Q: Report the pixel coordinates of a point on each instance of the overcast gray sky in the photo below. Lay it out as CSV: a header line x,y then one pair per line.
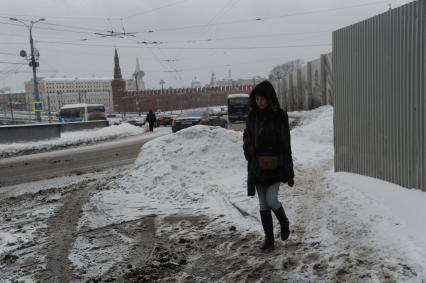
x,y
193,37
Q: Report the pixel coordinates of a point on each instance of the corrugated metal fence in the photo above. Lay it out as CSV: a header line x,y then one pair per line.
x,y
379,96
307,87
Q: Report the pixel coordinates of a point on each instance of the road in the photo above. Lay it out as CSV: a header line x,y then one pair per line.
x,y
79,160
70,161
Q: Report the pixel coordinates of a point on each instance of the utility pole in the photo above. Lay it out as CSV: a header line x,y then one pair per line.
x,y
279,76
33,63
162,82
137,90
48,105
109,101
138,107
11,106
136,80
60,99
28,106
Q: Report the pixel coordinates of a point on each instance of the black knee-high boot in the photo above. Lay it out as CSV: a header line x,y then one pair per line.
x,y
268,228
285,225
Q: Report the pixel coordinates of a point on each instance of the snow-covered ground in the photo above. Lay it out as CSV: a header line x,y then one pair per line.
x,y
345,227
69,139
201,170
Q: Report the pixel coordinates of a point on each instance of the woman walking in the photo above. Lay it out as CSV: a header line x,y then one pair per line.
x,y
151,119
268,152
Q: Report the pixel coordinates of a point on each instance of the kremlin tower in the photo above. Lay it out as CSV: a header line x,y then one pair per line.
x,y
118,85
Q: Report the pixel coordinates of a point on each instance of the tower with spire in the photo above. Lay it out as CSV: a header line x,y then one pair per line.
x,y
213,80
118,85
117,69
139,74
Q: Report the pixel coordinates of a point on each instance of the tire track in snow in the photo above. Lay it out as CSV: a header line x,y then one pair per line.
x,y
61,230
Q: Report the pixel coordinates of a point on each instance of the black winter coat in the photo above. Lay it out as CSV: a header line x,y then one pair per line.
x,y
150,117
267,133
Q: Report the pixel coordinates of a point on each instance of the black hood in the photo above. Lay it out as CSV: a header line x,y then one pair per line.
x,y
266,90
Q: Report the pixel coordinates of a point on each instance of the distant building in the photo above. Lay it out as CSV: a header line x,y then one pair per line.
x,y
17,99
195,83
59,91
231,82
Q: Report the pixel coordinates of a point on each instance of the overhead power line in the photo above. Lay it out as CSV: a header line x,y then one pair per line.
x,y
326,10
73,27
189,48
98,18
6,53
47,28
233,38
12,63
28,72
91,30
267,18
155,9
4,76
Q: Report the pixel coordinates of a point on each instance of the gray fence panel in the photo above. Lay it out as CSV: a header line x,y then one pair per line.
x,y
34,132
379,88
78,126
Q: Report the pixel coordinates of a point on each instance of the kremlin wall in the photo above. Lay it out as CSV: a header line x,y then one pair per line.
x,y
167,99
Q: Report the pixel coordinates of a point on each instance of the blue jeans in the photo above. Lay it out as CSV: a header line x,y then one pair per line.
x,y
268,196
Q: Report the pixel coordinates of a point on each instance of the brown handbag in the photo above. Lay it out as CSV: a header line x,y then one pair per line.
x,y
269,162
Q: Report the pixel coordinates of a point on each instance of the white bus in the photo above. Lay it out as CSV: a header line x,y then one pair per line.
x,y
81,112
238,107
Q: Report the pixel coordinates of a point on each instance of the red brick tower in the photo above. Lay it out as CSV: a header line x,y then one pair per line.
x,y
118,86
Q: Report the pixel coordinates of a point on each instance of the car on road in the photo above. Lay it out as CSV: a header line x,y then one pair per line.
x,y
136,121
198,117
165,120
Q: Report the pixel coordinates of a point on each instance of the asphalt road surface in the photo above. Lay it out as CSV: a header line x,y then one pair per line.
x,y
75,161
79,160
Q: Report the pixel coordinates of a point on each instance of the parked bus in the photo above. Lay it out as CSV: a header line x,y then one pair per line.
x,y
238,107
81,112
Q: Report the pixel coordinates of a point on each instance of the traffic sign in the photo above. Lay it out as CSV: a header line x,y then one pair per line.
x,y
38,106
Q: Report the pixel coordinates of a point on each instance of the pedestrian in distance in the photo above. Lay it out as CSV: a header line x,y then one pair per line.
x,y
267,150
151,119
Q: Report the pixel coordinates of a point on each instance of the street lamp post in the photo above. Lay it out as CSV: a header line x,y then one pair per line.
x,y
48,105
136,81
33,62
279,76
138,107
11,106
162,82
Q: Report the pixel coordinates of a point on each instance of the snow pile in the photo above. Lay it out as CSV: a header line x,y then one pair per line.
x,y
312,140
202,169
71,139
198,170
